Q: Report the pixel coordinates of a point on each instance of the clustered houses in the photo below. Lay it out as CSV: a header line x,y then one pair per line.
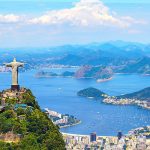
x,y
129,142
60,119
126,101
64,120
53,113
56,117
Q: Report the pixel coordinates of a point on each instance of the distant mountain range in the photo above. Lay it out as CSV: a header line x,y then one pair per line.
x,y
110,53
140,66
117,54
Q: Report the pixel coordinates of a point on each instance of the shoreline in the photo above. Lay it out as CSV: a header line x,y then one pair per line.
x,y
98,80
129,102
52,114
66,126
103,80
54,76
130,132
133,74
135,139
73,134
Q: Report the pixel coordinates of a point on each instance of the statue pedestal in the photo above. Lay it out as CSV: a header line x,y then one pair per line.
x,y
15,87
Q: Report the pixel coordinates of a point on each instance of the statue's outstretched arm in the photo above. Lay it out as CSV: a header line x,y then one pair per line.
x,y
8,64
20,64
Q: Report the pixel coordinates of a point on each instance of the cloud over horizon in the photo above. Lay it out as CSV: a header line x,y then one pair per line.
x,y
9,18
85,13
84,21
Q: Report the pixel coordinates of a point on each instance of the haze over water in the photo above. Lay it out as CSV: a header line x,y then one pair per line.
x,y
60,94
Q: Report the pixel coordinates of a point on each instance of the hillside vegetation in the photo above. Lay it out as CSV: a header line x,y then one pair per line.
x,y
91,93
143,94
36,130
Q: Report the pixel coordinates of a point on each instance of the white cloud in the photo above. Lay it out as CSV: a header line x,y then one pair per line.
x,y
133,21
9,18
85,13
134,31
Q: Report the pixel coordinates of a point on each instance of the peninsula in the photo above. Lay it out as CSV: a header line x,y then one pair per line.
x,y
140,98
61,120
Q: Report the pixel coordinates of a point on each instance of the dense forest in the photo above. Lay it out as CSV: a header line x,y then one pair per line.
x,y
36,129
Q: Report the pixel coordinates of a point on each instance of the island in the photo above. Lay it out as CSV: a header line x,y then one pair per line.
x,y
140,98
44,74
100,73
96,72
91,93
62,120
24,126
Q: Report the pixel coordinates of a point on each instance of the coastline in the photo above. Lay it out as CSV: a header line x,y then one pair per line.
x,y
135,102
54,76
129,133
70,134
61,119
134,74
66,126
98,80
104,80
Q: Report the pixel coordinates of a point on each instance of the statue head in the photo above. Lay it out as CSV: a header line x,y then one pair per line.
x,y
14,60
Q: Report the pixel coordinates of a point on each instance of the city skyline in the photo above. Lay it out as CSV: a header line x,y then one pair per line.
x,y
51,23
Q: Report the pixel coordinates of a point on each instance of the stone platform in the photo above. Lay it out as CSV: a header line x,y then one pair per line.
x,y
9,93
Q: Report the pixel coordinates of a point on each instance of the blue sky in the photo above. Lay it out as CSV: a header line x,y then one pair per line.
x,y
43,23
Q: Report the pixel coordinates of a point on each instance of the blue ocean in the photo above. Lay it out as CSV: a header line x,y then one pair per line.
x,y
60,94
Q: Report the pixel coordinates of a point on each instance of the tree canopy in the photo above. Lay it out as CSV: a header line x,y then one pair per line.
x,y
36,129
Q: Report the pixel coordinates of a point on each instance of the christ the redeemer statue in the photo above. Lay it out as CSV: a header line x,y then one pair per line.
x,y
14,65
